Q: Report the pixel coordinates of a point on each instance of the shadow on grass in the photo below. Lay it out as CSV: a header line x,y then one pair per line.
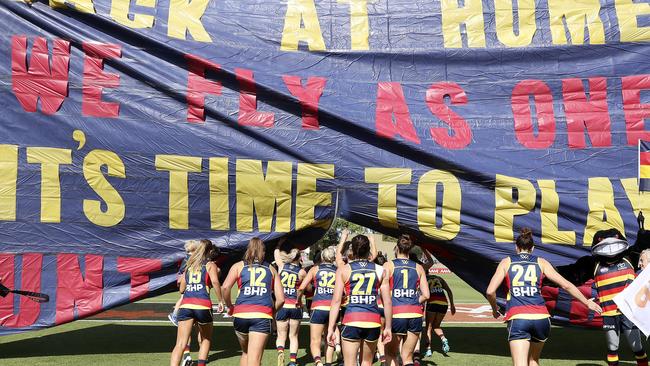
x,y
564,343
124,339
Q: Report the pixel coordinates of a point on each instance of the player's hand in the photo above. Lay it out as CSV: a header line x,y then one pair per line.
x,y
331,338
231,310
496,314
345,233
453,309
386,336
594,307
220,308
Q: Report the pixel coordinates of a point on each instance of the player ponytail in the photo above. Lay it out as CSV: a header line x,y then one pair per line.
x,y
525,241
255,251
197,258
328,255
404,244
360,247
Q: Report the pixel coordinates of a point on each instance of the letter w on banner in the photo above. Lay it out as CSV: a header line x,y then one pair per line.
x,y
644,166
634,301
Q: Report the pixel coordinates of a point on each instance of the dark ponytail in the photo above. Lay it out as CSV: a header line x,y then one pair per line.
x,y
525,240
404,244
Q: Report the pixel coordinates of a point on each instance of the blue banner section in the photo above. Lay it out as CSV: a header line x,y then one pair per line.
x,y
129,127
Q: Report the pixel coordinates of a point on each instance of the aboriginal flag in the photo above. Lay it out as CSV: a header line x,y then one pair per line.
x,y
644,166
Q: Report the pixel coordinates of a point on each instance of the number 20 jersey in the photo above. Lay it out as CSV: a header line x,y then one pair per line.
x,y
524,282
255,285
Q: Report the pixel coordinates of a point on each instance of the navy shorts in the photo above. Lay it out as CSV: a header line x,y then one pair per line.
x,y
381,312
402,326
244,326
288,313
617,323
350,333
201,316
534,330
319,317
437,308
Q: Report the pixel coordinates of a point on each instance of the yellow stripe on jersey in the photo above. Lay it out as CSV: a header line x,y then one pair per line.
x,y
326,308
611,313
644,171
621,278
363,324
407,315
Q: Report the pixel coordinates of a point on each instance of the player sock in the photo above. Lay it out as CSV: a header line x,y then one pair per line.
x,y
280,349
292,357
382,359
641,358
202,362
612,359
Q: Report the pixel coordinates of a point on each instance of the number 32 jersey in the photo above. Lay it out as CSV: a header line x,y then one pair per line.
x,y
524,282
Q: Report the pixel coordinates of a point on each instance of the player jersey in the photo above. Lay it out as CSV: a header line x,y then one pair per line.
x,y
611,279
362,289
255,287
323,286
404,286
437,292
197,290
289,276
524,282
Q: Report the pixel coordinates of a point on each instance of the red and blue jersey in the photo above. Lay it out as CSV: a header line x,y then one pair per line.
x,y
436,291
290,278
524,282
612,279
404,286
323,286
362,289
197,289
255,288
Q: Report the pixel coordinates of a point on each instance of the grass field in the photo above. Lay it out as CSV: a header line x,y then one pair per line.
x,y
100,343
110,344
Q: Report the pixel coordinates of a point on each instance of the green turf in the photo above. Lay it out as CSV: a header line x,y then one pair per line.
x,y
463,293
98,344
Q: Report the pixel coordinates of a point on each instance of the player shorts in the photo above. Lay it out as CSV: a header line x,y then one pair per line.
x,y
381,312
534,330
319,317
437,308
201,316
402,326
618,323
288,313
350,333
245,326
